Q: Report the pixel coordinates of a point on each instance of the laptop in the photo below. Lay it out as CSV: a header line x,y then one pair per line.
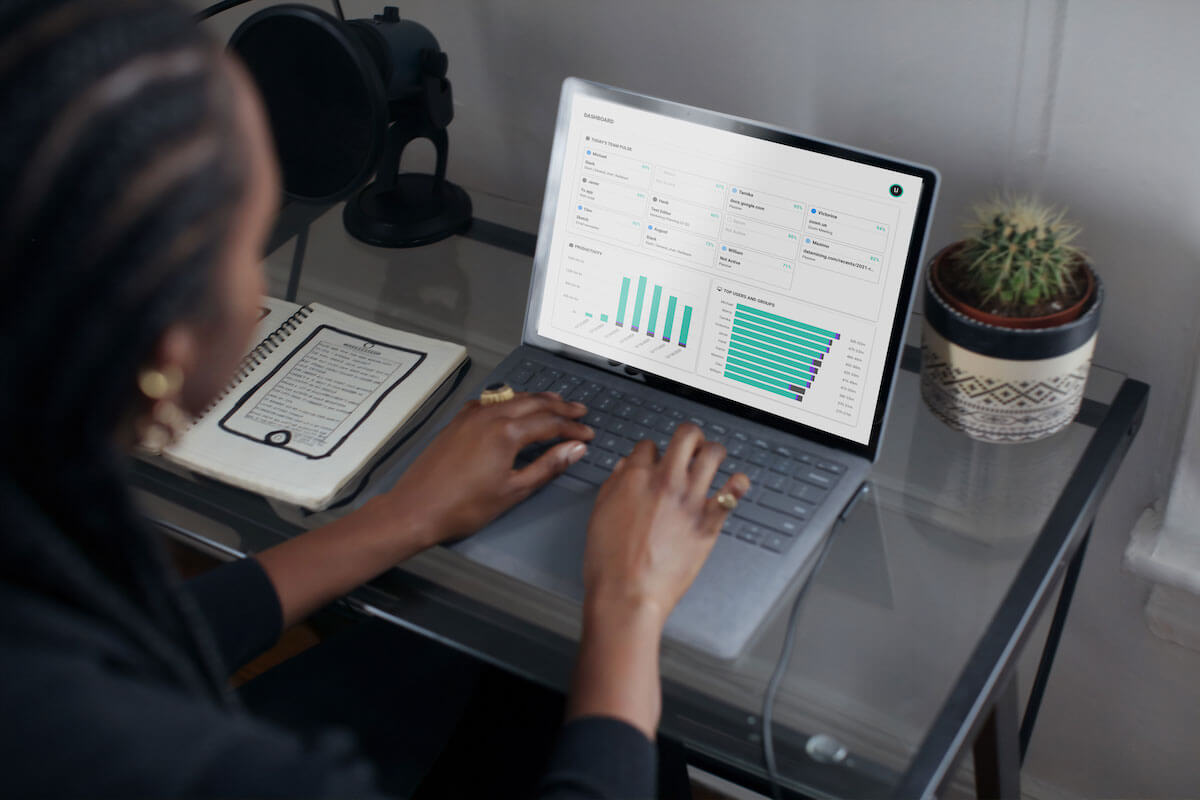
x,y
697,266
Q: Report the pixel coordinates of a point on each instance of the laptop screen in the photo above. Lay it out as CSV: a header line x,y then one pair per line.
x,y
753,265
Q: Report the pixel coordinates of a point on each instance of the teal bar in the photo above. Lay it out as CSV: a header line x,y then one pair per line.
x,y
773,353
624,301
670,318
777,338
604,317
766,374
683,327
784,371
766,367
587,313
776,317
654,311
763,383
810,339
637,304
791,351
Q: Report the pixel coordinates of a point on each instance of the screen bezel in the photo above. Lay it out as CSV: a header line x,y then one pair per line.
x,y
576,87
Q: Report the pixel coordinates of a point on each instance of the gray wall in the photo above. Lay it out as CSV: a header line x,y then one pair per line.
x,y
1092,104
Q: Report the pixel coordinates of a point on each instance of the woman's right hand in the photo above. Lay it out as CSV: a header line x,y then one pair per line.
x,y
651,530
654,524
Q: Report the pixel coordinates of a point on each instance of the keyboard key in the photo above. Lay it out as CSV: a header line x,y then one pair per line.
x,y
830,466
699,423
776,543
609,442
624,411
786,452
806,491
806,458
634,400
657,408
667,425
647,418
675,414
604,402
519,378
788,505
750,533
636,432
561,387
619,426
760,515
818,478
732,526
660,441
578,394
588,472
759,456
736,447
783,464
776,481
608,461
596,420
541,382
719,430
625,447
730,466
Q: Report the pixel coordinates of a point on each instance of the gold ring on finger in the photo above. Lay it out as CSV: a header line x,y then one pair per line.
x,y
495,393
727,501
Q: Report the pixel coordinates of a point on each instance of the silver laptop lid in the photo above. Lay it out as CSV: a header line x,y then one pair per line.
x,y
751,268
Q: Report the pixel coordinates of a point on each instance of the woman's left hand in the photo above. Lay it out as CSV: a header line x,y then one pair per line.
x,y
465,478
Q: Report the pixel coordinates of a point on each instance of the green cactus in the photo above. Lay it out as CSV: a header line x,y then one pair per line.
x,y
1019,255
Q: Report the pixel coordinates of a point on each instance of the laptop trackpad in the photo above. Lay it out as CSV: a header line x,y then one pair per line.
x,y
539,542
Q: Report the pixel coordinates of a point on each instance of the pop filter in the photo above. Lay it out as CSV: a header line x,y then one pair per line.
x,y
344,99
324,97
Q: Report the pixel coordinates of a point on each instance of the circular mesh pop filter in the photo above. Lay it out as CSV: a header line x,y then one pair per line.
x,y
324,96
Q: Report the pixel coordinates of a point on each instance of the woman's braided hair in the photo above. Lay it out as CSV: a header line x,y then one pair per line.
x,y
120,174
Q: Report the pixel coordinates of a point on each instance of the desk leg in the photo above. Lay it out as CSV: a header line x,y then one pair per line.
x,y
997,749
1051,647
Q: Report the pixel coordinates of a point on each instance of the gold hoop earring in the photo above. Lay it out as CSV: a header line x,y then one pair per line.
x,y
167,420
158,384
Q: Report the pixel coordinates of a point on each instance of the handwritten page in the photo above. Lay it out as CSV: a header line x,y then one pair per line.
x,y
311,402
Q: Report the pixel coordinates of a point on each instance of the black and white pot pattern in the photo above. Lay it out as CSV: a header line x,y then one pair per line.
x,y
1004,385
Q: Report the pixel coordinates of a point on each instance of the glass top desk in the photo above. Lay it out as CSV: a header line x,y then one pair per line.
x,y
908,641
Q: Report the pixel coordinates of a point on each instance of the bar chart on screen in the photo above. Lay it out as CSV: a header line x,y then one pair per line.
x,y
788,353
609,295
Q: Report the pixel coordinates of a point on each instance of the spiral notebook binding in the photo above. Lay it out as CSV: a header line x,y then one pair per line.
x,y
259,354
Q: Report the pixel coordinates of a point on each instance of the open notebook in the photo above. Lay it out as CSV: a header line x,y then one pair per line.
x,y
315,401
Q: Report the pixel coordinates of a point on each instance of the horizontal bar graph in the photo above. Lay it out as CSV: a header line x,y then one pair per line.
x,y
774,353
650,323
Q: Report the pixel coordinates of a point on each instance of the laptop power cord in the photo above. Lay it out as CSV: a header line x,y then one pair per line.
x,y
785,653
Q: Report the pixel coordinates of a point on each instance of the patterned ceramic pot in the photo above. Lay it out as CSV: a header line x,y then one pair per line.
x,y
1000,384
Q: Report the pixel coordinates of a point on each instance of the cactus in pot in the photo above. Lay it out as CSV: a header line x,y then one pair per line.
x,y
1011,318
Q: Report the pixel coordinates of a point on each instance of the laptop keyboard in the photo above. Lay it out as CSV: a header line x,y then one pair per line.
x,y
787,483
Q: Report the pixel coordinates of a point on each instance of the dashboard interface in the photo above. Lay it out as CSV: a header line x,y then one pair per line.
x,y
761,272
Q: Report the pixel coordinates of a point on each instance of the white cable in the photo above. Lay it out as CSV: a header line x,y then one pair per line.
x,y
785,655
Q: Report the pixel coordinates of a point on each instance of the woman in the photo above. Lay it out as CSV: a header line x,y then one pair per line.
x,y
137,187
